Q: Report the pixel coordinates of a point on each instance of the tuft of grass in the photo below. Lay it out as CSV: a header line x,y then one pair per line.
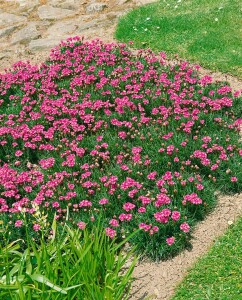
x,y
218,274
72,265
207,32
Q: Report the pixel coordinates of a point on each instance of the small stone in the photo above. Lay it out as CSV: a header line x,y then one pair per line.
x,y
23,4
47,12
87,25
121,2
25,34
95,7
59,28
43,44
10,19
3,55
7,31
67,4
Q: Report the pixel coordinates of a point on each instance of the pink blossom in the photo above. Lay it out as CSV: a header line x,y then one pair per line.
x,y
170,240
18,153
145,227
114,223
128,206
162,199
234,179
47,163
152,175
125,217
110,232
85,203
192,198
18,223
175,215
163,216
81,225
141,210
36,227
185,227
103,201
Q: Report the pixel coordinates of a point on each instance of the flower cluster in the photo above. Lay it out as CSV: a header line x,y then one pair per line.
x,y
98,130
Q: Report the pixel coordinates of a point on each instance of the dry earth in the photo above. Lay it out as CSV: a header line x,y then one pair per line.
x,y
28,30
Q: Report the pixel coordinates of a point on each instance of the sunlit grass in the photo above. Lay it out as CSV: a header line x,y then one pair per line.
x,y
218,274
206,32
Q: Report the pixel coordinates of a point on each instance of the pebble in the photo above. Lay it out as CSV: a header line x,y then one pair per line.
x,y
95,7
43,44
10,19
47,12
7,30
68,4
25,35
61,27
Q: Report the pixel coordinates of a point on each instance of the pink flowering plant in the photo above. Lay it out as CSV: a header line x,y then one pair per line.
x,y
99,130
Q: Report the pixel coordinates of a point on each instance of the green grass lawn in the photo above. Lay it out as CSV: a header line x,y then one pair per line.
x,y
217,275
208,32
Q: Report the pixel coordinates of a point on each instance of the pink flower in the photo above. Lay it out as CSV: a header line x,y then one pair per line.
x,y
185,227
36,227
192,198
103,201
81,225
18,223
114,223
145,227
163,216
122,134
18,153
175,215
110,232
85,203
162,199
47,163
152,175
170,240
199,187
128,206
99,138
125,217
234,179
141,210
155,228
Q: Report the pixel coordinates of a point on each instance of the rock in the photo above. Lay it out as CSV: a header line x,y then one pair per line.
x,y
47,12
25,4
43,44
10,19
7,31
121,2
87,25
25,34
62,27
3,55
67,4
95,7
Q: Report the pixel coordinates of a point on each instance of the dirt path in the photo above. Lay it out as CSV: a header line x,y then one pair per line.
x,y
28,30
